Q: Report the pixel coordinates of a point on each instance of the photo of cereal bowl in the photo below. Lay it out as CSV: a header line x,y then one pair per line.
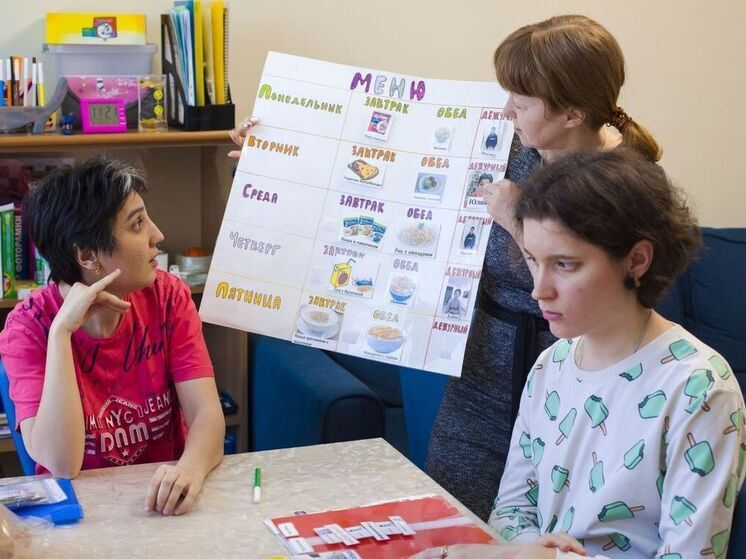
x,y
384,339
401,288
318,321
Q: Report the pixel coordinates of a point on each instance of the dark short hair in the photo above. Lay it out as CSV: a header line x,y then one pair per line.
x,y
78,206
487,176
613,199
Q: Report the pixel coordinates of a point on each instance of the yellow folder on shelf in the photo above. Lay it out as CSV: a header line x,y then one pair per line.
x,y
207,52
218,52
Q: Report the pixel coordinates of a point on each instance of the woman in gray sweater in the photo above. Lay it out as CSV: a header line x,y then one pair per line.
x,y
564,76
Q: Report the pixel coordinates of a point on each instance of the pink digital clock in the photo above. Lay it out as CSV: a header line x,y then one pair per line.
x,y
102,115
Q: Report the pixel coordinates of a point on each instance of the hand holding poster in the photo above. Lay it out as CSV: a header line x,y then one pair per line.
x,y
355,222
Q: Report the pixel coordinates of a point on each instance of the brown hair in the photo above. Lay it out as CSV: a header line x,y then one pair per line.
x,y
613,200
572,61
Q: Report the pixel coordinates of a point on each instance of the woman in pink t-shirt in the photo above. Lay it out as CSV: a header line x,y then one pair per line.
x,y
107,364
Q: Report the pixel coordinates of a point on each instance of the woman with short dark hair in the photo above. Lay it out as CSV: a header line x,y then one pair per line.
x,y
108,362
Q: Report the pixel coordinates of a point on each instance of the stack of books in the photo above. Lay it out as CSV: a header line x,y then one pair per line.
x,y
4,427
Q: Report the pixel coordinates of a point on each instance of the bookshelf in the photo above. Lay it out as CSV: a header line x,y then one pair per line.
x,y
13,143
6,445
10,303
189,177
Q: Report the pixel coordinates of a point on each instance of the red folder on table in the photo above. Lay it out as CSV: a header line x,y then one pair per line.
x,y
379,531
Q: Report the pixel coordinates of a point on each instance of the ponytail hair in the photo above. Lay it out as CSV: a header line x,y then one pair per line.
x,y
635,136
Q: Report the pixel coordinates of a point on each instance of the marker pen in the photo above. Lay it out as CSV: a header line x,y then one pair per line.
x,y
32,102
257,485
2,85
17,99
15,93
8,83
25,85
41,94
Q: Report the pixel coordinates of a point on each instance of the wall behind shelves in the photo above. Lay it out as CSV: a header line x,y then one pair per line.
x,y
685,62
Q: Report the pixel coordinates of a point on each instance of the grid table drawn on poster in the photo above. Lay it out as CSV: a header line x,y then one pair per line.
x,y
355,222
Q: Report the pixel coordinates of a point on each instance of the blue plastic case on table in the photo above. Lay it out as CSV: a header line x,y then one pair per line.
x,y
64,512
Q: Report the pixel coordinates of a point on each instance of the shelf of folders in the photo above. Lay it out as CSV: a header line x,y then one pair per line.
x,y
212,109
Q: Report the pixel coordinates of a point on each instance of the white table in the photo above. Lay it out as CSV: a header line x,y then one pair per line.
x,y
224,522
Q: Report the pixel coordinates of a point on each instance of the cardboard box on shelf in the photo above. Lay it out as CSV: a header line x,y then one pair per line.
x,y
95,28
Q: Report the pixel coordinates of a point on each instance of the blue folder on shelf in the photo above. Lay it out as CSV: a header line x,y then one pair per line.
x,y
64,512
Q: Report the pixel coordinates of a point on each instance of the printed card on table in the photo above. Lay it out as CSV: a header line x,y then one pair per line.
x,y
355,222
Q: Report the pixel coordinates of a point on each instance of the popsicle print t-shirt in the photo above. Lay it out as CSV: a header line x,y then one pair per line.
x,y
627,459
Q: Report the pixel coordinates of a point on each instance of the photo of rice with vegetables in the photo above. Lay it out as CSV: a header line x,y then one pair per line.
x,y
420,235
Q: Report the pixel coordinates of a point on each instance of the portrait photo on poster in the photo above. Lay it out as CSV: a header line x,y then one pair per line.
x,y
471,235
492,137
475,188
456,296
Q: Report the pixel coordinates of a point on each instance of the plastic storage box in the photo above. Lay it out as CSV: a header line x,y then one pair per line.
x,y
99,60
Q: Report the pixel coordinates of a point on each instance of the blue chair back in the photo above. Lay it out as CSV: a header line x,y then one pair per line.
x,y
27,463
421,393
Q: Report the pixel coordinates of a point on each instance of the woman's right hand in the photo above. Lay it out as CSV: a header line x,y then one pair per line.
x,y
562,541
239,133
81,301
501,198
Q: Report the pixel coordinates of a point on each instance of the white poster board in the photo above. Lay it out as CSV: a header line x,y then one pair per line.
x,y
355,221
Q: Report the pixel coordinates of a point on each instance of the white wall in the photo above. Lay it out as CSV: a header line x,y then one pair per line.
x,y
686,68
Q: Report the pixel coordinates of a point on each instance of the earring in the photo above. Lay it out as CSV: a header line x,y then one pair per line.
x,y
636,281
98,270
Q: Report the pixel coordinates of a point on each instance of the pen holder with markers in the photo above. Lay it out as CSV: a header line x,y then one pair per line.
x,y
31,119
179,113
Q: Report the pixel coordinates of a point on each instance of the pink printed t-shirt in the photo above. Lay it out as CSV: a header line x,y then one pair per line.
x,y
126,382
